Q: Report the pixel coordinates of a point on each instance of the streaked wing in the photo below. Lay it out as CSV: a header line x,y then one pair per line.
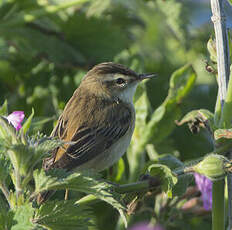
x,y
87,140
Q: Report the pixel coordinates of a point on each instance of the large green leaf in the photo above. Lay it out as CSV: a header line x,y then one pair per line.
x,y
86,182
165,174
162,121
62,215
23,216
6,216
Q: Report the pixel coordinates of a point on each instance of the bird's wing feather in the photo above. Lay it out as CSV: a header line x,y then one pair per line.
x,y
88,140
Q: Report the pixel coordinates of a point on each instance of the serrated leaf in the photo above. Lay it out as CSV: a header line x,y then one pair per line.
x,y
23,216
86,182
3,109
7,132
25,156
63,215
4,168
27,124
165,174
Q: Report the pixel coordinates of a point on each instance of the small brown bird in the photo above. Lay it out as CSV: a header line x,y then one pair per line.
x,y
98,121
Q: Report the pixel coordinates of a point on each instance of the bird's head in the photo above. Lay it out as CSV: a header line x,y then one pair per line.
x,y
113,80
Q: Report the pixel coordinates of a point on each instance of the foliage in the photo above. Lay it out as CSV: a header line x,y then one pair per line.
x,y
46,48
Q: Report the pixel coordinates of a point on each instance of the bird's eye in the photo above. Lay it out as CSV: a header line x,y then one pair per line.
x,y
120,81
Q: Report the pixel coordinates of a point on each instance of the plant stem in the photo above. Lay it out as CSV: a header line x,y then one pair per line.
x,y
139,186
222,47
223,63
5,192
218,209
18,184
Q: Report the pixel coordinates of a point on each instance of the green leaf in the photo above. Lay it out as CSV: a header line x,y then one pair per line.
x,y
3,109
86,182
62,215
4,168
183,181
162,121
6,218
165,174
7,132
27,124
174,12
26,153
23,216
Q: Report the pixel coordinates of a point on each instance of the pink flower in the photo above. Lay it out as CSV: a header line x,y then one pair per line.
x,y
205,186
16,119
146,226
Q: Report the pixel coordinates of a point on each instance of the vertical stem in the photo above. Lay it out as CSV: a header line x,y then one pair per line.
x,y
223,64
218,209
229,187
222,46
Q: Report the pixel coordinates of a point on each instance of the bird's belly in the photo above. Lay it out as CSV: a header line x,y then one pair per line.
x,y
110,156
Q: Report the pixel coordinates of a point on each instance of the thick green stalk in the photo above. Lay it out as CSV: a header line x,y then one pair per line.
x,y
227,108
218,207
224,96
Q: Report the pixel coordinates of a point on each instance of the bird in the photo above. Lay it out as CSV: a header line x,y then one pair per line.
x,y
98,121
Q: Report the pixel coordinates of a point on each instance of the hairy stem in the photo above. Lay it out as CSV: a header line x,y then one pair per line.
x,y
218,209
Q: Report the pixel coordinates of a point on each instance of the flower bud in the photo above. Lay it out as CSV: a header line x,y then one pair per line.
x,y
212,166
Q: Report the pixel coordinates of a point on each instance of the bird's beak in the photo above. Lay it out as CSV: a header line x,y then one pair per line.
x,y
146,76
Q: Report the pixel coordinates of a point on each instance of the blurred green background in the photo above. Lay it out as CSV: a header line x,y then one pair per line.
x,y
46,47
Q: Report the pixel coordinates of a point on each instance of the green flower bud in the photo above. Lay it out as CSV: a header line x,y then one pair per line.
x,y
212,166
